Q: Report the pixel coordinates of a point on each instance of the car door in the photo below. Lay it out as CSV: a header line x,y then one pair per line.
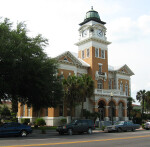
x,y
2,130
130,125
85,125
78,126
9,129
125,126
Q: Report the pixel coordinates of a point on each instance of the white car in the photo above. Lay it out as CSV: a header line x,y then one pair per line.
x,y
147,125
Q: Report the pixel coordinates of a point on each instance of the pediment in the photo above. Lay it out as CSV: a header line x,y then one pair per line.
x,y
68,58
125,70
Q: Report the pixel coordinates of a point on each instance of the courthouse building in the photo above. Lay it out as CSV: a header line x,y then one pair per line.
x,y
112,84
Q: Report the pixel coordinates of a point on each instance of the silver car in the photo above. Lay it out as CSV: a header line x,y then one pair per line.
x,y
147,125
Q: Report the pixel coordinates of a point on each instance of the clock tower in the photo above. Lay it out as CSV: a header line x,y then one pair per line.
x,y
92,47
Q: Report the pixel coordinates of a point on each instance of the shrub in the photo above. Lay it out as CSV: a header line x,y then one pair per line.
x,y
143,126
63,121
103,128
40,122
25,121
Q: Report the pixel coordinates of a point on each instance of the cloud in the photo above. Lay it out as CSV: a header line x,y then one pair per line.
x,y
125,29
143,23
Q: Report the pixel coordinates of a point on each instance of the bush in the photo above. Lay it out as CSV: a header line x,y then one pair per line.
x,y
40,122
143,126
103,128
63,121
25,121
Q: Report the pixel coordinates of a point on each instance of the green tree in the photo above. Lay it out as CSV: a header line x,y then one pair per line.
x,y
141,96
147,102
86,89
27,73
5,112
130,100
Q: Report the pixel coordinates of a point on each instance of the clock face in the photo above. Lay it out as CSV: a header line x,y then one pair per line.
x,y
84,33
100,33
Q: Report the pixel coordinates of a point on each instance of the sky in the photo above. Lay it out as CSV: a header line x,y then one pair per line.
x,y
127,23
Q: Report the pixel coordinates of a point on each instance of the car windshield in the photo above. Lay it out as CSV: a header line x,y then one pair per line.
x,y
119,123
74,122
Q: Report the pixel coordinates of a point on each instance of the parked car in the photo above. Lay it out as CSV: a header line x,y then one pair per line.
x,y
13,128
77,126
122,126
147,125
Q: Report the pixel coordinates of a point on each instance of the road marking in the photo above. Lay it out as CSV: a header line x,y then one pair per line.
x,y
77,141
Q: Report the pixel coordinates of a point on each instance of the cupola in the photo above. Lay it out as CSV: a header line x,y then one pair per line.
x,y
92,15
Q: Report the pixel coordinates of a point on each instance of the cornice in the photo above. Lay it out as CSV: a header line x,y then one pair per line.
x,y
93,39
71,63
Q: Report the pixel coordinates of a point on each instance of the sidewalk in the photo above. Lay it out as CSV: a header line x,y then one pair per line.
x,y
36,131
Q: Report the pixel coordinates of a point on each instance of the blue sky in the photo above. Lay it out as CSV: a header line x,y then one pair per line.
x,y
128,28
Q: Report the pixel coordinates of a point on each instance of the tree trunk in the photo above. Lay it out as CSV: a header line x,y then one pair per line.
x,y
82,108
142,108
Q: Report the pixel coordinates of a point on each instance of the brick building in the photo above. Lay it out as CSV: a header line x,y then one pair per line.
x,y
112,84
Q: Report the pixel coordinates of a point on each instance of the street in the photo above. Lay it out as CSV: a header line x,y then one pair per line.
x,y
139,138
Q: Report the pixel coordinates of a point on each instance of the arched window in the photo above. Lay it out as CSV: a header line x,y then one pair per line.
x,y
126,89
121,87
99,84
110,84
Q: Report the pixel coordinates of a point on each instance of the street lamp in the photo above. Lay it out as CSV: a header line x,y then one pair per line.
x,y
111,95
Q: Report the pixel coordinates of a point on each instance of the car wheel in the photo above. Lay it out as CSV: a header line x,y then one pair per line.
x,y
89,131
23,133
61,133
70,131
133,129
119,130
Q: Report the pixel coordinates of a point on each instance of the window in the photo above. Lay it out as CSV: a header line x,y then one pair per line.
x,y
110,84
88,52
121,87
28,111
61,110
100,69
99,84
103,54
23,110
46,112
126,89
96,52
65,59
82,54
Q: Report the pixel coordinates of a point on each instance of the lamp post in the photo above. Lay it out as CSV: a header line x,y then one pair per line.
x,y
111,95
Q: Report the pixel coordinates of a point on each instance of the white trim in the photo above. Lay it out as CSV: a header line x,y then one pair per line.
x,y
100,64
92,44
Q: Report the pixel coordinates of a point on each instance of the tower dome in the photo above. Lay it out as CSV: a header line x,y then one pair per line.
x,y
92,15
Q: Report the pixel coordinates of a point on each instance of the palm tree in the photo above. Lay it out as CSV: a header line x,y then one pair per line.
x,y
70,86
147,102
86,89
130,100
141,96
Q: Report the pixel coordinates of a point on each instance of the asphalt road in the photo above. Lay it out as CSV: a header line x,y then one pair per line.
x,y
139,138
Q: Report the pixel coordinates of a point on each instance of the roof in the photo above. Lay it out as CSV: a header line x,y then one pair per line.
x,y
117,68
92,15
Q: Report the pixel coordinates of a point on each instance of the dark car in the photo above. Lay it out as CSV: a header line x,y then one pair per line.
x,y
77,126
122,126
13,128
